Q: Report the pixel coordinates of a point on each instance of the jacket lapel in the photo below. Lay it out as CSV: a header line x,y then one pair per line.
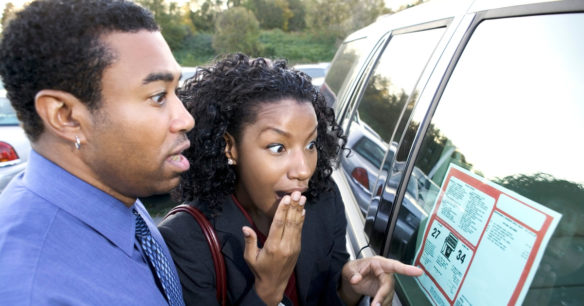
x,y
312,246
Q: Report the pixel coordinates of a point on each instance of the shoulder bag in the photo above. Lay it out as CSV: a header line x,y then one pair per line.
x,y
211,237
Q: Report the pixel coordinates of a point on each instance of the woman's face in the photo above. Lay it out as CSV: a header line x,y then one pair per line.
x,y
276,155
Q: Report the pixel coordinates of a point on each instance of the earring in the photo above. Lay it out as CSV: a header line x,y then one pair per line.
x,y
230,162
77,143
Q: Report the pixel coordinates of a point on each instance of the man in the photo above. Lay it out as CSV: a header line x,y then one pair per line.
x,y
93,83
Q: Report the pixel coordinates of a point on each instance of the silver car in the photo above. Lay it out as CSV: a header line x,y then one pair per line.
x,y
316,71
14,145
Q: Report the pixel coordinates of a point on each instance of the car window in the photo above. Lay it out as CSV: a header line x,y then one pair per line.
x,y
371,151
511,117
314,72
7,113
342,67
388,90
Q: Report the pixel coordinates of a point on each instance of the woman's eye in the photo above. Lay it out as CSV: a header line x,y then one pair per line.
x,y
159,99
311,146
276,148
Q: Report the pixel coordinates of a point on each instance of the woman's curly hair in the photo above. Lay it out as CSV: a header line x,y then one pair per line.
x,y
224,98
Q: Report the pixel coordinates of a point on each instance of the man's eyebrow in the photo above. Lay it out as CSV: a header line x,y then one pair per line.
x,y
158,76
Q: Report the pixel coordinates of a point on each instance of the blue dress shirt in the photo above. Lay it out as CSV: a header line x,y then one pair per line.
x,y
65,242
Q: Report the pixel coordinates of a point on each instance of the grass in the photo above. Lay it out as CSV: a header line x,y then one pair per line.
x,y
296,47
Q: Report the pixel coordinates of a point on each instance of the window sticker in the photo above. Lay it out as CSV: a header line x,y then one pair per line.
x,y
482,242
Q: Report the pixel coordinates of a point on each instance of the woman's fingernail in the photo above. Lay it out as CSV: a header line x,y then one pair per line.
x,y
296,196
302,200
286,200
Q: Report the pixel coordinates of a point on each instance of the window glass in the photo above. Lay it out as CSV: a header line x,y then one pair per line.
x,y
342,67
512,115
386,93
7,113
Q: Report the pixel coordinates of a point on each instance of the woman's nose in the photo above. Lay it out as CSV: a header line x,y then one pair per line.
x,y
302,165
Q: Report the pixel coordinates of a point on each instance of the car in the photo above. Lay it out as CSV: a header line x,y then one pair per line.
x,y
462,120
187,73
14,145
316,71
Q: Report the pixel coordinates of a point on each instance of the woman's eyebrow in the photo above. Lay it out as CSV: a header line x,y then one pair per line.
x,y
276,130
284,133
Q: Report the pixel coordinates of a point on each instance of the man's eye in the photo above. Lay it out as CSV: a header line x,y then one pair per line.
x,y
160,98
311,146
276,148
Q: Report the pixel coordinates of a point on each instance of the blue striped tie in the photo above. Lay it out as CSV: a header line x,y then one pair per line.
x,y
151,248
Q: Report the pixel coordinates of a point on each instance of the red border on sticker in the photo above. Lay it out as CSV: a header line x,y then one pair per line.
x,y
495,194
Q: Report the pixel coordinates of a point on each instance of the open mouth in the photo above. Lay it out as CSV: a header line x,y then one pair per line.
x,y
179,161
281,194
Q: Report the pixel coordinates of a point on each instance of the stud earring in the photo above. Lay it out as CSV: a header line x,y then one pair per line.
x,y
230,162
77,143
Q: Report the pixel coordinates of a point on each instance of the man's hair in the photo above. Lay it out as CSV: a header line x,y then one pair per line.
x,y
225,98
55,44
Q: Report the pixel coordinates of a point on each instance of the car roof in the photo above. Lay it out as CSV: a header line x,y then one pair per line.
x,y
436,10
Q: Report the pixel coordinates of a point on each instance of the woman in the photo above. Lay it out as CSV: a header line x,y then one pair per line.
x,y
263,148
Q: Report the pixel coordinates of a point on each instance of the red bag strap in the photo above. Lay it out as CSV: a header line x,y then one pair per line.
x,y
214,246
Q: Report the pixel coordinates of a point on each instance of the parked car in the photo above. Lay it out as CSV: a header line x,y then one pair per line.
x,y
187,73
316,71
482,92
14,145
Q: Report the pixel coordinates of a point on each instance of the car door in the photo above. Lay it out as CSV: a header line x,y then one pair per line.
x,y
505,120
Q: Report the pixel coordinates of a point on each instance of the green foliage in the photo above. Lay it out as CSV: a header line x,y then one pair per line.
x,y
298,20
7,15
297,47
169,18
299,30
237,30
197,50
342,17
203,19
271,14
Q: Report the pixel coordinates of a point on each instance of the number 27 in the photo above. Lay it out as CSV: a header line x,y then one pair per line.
x,y
435,232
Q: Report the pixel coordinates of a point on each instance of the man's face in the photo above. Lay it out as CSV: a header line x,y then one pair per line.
x,y
136,137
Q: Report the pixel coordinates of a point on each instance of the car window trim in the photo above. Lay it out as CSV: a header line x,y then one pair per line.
x,y
478,17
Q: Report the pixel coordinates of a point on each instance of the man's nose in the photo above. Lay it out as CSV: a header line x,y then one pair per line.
x,y
182,120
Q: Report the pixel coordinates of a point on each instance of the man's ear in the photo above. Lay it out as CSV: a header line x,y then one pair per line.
x,y
230,149
62,114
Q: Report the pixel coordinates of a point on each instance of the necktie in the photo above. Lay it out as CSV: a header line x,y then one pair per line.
x,y
158,260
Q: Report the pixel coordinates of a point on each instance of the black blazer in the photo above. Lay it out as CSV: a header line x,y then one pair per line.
x,y
322,256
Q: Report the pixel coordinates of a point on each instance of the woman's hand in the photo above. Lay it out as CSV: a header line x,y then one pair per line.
x,y
273,264
372,276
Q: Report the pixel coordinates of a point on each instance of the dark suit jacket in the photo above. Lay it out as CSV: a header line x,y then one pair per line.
x,y
322,256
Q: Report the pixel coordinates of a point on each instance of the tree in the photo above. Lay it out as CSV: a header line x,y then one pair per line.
x,y
237,30
271,14
341,17
328,17
298,20
7,15
204,17
170,20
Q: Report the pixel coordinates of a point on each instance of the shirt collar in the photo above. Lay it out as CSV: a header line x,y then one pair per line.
x,y
99,210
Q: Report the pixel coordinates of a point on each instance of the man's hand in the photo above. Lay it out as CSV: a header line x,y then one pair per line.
x,y
372,276
273,264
